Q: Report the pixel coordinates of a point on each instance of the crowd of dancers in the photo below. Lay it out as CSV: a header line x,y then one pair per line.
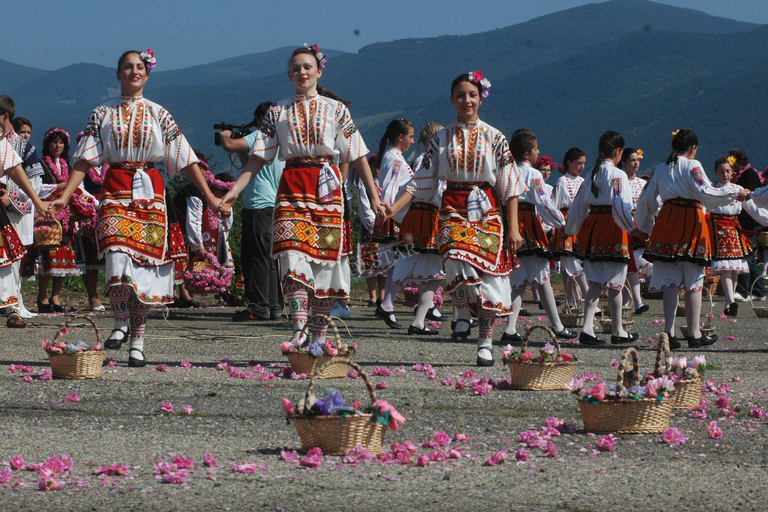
x,y
473,212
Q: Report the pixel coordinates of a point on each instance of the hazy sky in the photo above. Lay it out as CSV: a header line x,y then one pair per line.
x,y
50,34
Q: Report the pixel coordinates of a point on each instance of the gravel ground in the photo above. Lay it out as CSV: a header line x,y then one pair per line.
x,y
118,420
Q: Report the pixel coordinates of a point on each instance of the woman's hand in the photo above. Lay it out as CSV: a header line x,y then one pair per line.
x,y
215,204
514,239
744,194
224,206
56,206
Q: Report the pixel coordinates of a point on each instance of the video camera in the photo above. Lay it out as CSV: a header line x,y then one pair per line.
x,y
238,131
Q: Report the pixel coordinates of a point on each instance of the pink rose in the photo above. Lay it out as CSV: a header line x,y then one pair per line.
x,y
396,419
288,406
333,351
598,392
442,438
526,356
46,345
566,357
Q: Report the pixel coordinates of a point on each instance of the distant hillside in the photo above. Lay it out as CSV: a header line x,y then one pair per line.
x,y
13,75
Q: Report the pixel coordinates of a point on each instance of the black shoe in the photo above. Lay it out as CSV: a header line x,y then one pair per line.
x,y
511,338
134,362
586,339
732,309
460,336
472,324
431,315
57,308
701,342
44,308
276,314
622,340
642,309
674,344
388,317
371,304
180,303
484,362
114,343
426,331
541,306
565,334
523,312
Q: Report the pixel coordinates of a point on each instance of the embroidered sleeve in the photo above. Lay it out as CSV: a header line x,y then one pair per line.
x,y
265,142
622,204
194,223
349,142
178,152
20,202
90,147
8,157
710,196
425,180
508,182
545,209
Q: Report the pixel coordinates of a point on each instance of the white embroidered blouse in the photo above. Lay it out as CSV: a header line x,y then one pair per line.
x,y
536,193
8,157
566,188
612,190
129,129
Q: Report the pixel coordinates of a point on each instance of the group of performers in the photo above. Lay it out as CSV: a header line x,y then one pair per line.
x,y
474,211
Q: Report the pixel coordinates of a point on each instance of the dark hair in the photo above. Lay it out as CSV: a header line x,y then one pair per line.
x,y
464,77
683,140
740,155
373,158
570,155
56,134
18,122
609,142
522,141
322,91
720,161
395,128
126,54
262,109
626,153
225,177
429,131
7,106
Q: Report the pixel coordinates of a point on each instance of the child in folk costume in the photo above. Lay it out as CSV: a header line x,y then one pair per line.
x,y
639,266
483,181
419,263
134,234
309,130
601,217
11,248
368,266
730,245
680,244
394,175
562,244
544,164
534,207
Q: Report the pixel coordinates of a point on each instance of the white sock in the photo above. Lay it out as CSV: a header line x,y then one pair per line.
x,y
136,349
484,348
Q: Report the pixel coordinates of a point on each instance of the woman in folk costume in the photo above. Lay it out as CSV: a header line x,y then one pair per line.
x,y
601,218
483,181
680,244
562,244
394,175
639,267
309,129
11,247
419,264
730,245
535,208
132,134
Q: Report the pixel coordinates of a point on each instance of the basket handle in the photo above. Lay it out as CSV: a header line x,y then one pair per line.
x,y
69,322
711,307
624,365
548,331
570,282
331,324
662,350
752,291
337,360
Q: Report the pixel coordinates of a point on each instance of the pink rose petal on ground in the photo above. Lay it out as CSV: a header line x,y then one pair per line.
x,y
185,364
313,459
162,368
209,461
187,410
72,397
606,443
166,407
497,458
521,455
17,462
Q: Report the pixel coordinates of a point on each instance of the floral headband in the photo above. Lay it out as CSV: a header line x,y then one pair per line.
x,y
545,160
316,51
55,130
218,184
639,153
148,56
476,77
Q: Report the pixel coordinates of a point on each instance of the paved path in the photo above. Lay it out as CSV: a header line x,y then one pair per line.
x,y
239,420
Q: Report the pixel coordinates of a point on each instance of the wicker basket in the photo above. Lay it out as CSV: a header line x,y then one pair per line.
x,y
762,239
47,234
708,329
573,317
198,266
627,316
687,392
82,365
334,367
540,376
760,311
334,434
626,415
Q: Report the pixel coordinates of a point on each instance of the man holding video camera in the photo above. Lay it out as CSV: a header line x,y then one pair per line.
x,y
262,281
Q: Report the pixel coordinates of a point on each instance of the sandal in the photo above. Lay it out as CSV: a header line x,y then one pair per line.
x,y
134,362
114,343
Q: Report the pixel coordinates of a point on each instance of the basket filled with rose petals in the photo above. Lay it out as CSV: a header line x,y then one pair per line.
x,y
75,360
334,426
47,234
207,276
306,357
686,374
626,407
551,369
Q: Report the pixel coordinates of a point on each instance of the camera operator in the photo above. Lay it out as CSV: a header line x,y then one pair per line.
x,y
262,282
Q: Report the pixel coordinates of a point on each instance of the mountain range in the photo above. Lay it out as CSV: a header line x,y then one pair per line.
x,y
635,66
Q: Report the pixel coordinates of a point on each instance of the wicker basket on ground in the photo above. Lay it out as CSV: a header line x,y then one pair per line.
x,y
687,391
627,316
707,329
760,311
541,376
81,365
304,362
626,415
335,434
573,317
